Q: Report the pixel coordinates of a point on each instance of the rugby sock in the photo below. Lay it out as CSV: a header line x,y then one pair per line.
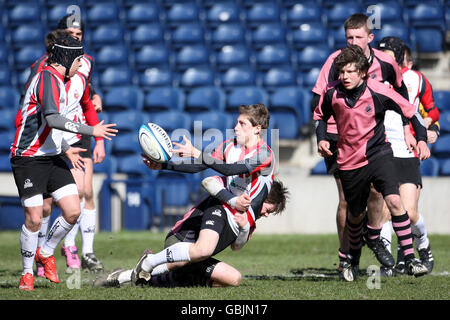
x,y
69,240
28,247
386,235
354,236
87,226
175,253
57,232
43,230
373,232
125,276
402,228
161,269
342,255
420,234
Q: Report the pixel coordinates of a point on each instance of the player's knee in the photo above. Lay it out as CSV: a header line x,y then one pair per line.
x,y
200,253
236,279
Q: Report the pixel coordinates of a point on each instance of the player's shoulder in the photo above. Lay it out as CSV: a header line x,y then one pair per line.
x,y
387,58
379,87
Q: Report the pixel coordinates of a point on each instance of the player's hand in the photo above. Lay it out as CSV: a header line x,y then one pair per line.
x,y
243,202
99,151
431,136
97,102
428,122
323,148
241,219
423,150
153,165
411,142
105,131
73,154
186,150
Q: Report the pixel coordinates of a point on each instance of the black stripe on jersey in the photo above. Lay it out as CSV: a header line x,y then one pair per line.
x,y
31,127
50,91
258,201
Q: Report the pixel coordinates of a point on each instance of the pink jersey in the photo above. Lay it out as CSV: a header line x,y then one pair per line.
x,y
382,68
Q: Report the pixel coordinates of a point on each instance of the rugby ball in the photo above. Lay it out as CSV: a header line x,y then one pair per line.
x,y
155,142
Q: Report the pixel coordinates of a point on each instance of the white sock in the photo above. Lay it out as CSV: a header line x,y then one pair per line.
x,y
420,234
175,253
161,269
69,240
87,226
43,230
125,276
386,234
57,232
28,247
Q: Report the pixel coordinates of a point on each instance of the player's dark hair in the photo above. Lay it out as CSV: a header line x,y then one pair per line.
x,y
396,45
356,21
278,196
352,54
257,114
408,54
51,38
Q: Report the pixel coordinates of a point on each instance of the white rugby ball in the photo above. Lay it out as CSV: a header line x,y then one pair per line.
x,y
155,142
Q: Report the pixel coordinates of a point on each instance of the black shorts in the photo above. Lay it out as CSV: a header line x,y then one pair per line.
x,y
356,183
209,214
85,143
408,170
39,175
331,162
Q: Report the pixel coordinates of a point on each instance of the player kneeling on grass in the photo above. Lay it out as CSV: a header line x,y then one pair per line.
x,y
203,232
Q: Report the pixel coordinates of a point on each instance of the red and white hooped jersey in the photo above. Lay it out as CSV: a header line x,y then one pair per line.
x,y
45,95
257,184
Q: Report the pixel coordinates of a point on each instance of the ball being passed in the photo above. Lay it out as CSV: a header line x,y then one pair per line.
x,y
155,142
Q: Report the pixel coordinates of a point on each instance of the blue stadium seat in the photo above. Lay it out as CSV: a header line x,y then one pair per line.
x,y
272,56
206,99
102,13
174,122
111,56
441,148
339,12
5,75
319,168
392,29
27,35
219,13
295,98
246,95
428,39
444,122
268,34
108,165
141,13
309,34
289,128
132,164
21,78
197,77
445,168
227,34
108,34
181,13
126,143
429,167
442,99
187,34
27,55
55,13
24,13
6,139
155,77
7,118
389,11
232,56
309,78
164,99
213,126
191,56
237,77
126,121
312,57
124,98
279,77
146,34
300,13
338,37
150,56
427,15
260,13
9,98
116,76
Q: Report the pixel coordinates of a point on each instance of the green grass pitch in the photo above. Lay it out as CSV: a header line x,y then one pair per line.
x,y
274,267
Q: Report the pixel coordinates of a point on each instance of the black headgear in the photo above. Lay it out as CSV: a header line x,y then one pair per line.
x,y
71,21
394,44
65,51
